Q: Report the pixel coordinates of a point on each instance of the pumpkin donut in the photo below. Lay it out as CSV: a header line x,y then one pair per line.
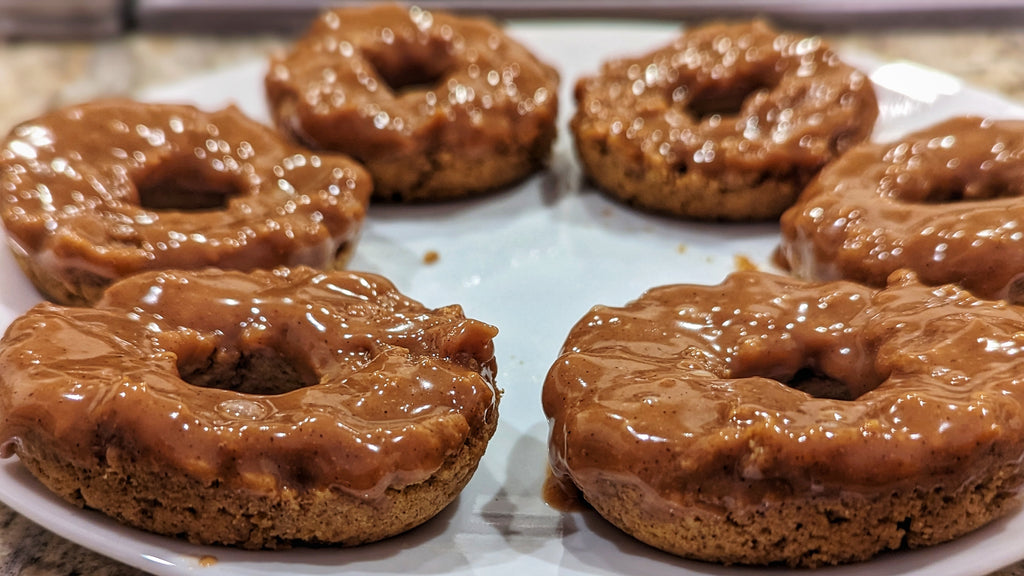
x,y
769,420
728,122
944,202
256,410
435,105
95,192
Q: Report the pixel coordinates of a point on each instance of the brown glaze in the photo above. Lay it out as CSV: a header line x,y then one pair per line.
x,y
740,104
732,97
944,202
561,495
113,187
377,390
408,90
690,395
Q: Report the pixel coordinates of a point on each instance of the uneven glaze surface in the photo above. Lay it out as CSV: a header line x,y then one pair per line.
x,y
113,187
944,202
683,393
386,83
395,387
729,97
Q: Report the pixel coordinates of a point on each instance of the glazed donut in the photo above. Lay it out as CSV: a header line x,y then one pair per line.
x,y
728,122
255,410
96,192
436,106
944,202
767,420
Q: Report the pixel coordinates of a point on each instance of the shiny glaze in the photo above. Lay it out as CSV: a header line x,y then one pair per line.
x,y
944,202
387,81
682,395
397,389
560,495
70,186
727,97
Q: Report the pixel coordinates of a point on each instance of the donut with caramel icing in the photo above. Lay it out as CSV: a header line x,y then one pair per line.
x,y
98,191
943,201
727,122
769,420
435,105
257,410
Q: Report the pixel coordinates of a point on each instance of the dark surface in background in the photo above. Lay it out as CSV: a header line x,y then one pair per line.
x,y
95,18
290,16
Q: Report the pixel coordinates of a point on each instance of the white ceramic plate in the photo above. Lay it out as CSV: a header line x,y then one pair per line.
x,y
532,261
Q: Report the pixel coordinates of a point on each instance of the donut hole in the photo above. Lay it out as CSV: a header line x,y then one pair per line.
x,y
262,371
1015,292
185,184
406,65
724,100
820,385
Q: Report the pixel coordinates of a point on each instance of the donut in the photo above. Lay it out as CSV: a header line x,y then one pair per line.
x,y
257,410
728,122
943,201
768,420
95,192
435,105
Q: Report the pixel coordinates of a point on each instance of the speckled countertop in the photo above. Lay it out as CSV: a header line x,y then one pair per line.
x,y
35,76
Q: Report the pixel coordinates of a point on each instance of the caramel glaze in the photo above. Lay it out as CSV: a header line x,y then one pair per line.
x,y
944,202
682,394
113,187
396,387
386,81
560,495
728,97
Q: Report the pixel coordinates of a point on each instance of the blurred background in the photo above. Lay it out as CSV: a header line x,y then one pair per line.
x,y
94,18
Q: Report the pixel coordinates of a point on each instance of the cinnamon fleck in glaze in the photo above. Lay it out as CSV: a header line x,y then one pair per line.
x,y
434,104
944,202
284,380
95,192
728,121
711,408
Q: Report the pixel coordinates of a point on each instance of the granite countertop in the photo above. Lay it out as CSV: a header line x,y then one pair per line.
x,y
38,76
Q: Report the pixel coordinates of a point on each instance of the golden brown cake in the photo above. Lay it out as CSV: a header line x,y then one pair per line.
x,y
767,420
727,122
436,106
256,410
99,191
944,202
